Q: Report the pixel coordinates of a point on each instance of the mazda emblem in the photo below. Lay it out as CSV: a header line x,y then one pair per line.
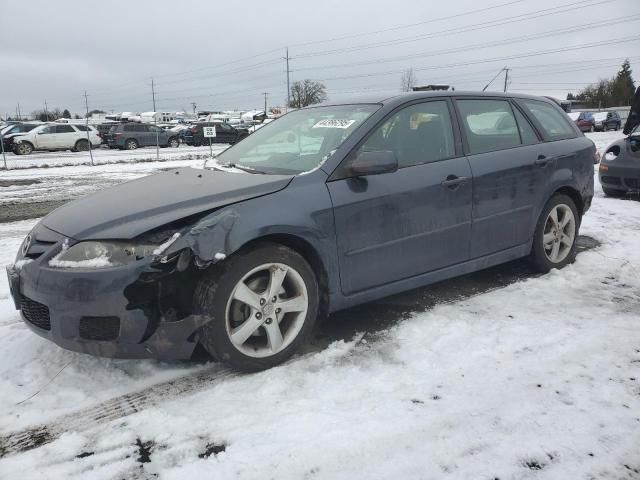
x,y
25,245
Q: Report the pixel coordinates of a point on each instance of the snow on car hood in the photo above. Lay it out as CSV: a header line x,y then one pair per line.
x,y
130,209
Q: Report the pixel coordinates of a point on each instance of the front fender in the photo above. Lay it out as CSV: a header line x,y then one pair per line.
x,y
302,210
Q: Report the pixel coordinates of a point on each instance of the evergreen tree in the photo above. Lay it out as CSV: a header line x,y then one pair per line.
x,y
66,113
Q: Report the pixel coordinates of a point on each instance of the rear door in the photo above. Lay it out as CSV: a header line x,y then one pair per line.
x,y
509,171
417,219
45,137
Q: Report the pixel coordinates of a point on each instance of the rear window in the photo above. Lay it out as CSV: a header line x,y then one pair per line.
x,y
553,121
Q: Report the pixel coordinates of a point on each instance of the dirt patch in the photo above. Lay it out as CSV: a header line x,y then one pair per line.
x,y
25,211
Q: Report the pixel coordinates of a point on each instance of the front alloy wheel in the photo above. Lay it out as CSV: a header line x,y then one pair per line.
x,y
263,304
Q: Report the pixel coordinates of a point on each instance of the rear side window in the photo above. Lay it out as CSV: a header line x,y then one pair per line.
x,y
129,128
64,129
554,122
489,124
82,128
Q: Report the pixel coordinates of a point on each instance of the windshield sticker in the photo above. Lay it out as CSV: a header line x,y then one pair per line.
x,y
334,123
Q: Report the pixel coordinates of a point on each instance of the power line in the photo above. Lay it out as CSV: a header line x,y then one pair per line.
x,y
469,28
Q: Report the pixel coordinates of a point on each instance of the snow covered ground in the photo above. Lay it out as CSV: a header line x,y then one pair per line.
x,y
539,379
103,156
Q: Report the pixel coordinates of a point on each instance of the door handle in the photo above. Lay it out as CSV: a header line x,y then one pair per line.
x,y
453,181
543,160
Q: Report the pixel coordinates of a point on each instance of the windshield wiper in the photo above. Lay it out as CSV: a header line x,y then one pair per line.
x,y
240,167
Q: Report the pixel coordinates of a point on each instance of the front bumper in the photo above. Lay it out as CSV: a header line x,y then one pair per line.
x,y
620,177
88,311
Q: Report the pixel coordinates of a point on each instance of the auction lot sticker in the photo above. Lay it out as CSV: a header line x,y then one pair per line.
x,y
334,123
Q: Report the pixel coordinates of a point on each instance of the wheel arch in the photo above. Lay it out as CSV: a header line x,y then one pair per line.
x,y
574,195
305,249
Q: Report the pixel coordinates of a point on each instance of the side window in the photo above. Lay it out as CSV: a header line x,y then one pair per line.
x,y
82,128
129,128
418,134
489,125
554,123
49,129
64,129
527,134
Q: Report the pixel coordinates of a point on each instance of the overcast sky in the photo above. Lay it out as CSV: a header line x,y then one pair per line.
x,y
223,55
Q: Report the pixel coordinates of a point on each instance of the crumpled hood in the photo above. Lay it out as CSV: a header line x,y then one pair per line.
x,y
634,114
132,208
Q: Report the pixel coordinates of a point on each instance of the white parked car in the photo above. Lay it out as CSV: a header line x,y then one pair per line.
x,y
56,137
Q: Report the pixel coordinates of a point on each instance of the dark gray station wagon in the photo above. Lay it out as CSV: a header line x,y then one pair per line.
x,y
325,208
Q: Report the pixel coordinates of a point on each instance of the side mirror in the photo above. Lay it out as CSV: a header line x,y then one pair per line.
x,y
373,163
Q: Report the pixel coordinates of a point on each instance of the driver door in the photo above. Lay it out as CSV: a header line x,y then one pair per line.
x,y
397,225
46,138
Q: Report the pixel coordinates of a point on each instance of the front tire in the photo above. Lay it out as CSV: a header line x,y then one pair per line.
x,y
173,142
263,305
23,148
554,240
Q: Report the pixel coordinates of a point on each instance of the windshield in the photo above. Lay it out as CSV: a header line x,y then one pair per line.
x,y
298,141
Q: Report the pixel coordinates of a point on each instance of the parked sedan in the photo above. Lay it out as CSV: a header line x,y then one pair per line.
x,y
329,207
225,133
619,170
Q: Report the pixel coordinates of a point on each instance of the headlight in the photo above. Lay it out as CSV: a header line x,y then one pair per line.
x,y
93,254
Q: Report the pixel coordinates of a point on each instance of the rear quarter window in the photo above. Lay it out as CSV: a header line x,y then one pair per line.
x,y
554,122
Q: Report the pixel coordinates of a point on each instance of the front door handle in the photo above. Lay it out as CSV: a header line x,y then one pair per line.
x,y
453,181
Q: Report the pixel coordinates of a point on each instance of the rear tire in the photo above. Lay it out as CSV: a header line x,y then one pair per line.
x,y
131,144
81,146
554,240
173,142
252,327
610,192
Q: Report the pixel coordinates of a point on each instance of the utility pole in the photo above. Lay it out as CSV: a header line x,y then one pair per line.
x,y
4,157
288,86
155,119
46,110
193,104
19,113
506,78
265,101
86,107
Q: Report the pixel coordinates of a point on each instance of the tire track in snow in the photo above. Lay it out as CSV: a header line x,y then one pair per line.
x,y
110,410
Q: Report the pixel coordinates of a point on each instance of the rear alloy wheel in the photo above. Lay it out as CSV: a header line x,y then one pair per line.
x,y
23,148
263,304
173,142
82,146
131,144
554,242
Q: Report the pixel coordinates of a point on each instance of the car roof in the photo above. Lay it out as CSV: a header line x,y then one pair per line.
x,y
408,96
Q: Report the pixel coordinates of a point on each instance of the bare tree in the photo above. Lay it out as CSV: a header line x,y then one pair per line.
x,y
307,93
408,80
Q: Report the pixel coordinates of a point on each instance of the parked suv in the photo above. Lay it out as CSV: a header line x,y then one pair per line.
x,y
130,136
10,131
56,137
225,133
329,207
607,121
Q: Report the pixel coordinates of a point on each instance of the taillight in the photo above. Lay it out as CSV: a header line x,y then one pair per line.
x,y
193,129
117,134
